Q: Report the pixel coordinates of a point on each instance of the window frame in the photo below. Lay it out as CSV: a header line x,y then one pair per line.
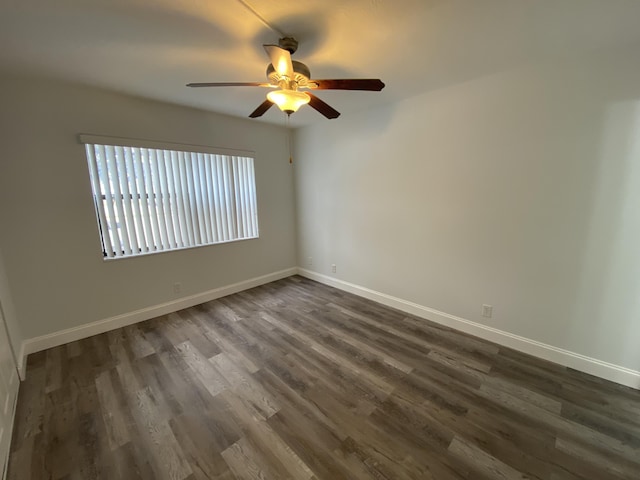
x,y
89,140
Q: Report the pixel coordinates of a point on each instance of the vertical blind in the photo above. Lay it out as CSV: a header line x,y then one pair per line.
x,y
152,200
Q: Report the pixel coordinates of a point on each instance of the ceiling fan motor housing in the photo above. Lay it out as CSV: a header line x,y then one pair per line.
x,y
300,70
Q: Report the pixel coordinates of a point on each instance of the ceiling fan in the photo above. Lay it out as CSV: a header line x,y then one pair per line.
x,y
288,76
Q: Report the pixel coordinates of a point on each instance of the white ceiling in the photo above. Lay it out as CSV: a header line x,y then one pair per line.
x,y
152,48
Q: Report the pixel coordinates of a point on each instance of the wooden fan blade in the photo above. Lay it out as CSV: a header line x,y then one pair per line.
x,y
264,106
229,84
322,107
369,84
280,59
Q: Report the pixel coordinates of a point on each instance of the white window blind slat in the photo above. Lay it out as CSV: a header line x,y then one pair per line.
x,y
222,198
204,199
245,199
229,196
99,202
165,201
194,200
211,197
150,201
173,204
187,184
123,177
252,198
156,199
213,189
110,200
184,188
181,230
237,185
135,201
201,223
113,245
120,225
143,200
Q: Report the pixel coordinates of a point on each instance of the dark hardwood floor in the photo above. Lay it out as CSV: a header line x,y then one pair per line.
x,y
296,380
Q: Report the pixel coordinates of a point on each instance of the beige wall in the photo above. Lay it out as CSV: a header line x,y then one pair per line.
x,y
48,231
520,190
8,310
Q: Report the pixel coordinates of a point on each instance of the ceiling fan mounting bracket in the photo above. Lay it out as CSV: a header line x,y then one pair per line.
x,y
288,43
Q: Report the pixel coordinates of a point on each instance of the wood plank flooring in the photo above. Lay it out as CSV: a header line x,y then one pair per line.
x,y
296,380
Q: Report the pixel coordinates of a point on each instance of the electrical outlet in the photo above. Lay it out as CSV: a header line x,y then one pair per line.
x,y
309,262
487,311
333,268
177,287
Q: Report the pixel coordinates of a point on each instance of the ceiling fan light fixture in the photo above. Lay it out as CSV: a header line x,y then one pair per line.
x,y
289,101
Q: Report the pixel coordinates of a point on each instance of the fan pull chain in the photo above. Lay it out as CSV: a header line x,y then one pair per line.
x,y
287,123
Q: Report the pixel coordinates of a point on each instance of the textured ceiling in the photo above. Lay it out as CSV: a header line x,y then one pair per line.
x,y
152,48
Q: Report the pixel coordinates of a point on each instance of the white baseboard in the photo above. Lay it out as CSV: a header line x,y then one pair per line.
x,y
12,421
43,342
22,362
592,366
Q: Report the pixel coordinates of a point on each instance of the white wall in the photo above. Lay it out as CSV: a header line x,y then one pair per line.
x,y
520,190
48,231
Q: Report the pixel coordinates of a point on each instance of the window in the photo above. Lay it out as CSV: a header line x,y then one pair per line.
x,y
152,200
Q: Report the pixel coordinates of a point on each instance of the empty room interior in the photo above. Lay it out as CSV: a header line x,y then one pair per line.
x,y
320,240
